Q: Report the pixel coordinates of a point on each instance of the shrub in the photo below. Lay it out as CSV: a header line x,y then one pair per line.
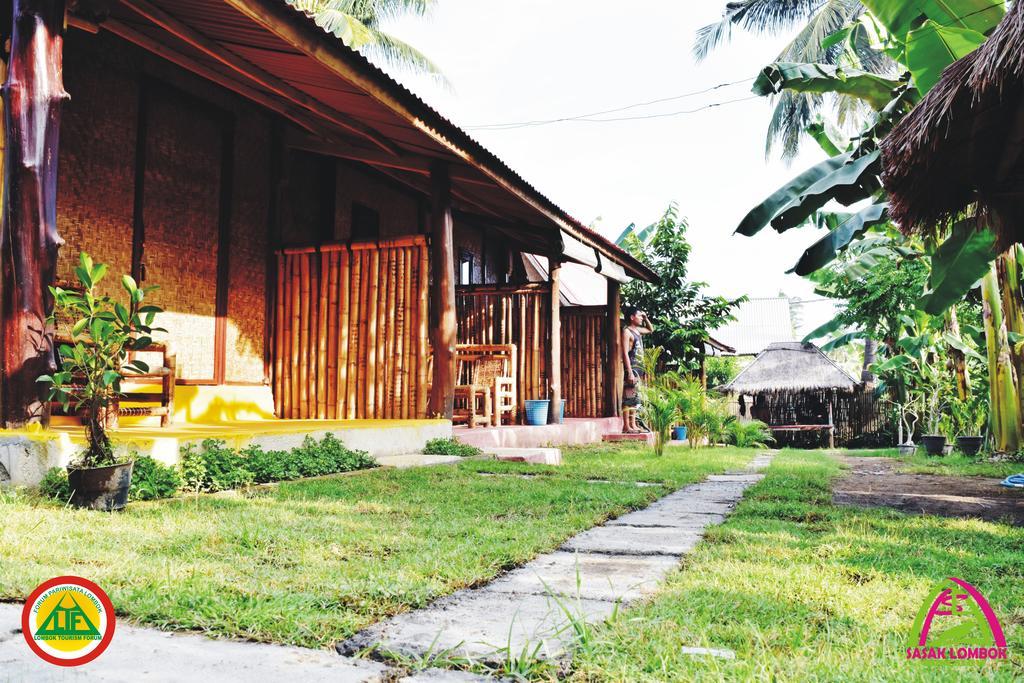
x,y
450,446
752,434
213,467
55,484
311,459
152,479
267,466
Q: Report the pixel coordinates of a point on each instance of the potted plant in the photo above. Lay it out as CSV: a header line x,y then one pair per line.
x,y
933,440
92,367
969,417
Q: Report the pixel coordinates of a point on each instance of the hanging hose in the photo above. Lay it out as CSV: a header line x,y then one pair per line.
x,y
1014,481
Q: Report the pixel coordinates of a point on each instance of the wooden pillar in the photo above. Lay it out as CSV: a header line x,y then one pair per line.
x,y
613,370
32,95
442,294
555,341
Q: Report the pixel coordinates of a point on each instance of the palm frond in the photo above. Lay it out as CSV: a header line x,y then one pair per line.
x,y
400,54
759,16
793,112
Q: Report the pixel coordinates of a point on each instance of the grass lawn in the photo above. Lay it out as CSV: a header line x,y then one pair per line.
x,y
312,562
801,589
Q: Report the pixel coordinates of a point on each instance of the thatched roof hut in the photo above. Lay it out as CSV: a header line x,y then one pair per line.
x,y
791,366
805,398
964,143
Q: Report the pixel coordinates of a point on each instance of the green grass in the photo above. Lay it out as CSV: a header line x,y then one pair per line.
x,y
802,590
311,562
954,465
958,465
679,466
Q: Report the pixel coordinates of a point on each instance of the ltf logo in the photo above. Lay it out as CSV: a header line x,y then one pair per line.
x,y
956,623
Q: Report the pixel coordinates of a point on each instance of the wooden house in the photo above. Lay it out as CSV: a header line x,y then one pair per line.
x,y
322,238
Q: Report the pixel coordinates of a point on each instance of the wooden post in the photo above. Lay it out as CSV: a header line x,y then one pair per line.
x,y
442,294
32,95
613,372
555,341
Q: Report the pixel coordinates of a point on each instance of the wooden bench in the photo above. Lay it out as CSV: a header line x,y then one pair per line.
x,y
808,428
158,402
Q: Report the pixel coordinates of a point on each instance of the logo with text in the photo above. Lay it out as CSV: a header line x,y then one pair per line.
x,y
68,621
956,624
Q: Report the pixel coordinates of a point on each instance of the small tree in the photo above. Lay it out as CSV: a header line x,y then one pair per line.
x,y
94,364
682,313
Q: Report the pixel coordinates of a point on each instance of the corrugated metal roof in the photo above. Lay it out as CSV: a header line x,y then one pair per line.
x,y
759,322
398,114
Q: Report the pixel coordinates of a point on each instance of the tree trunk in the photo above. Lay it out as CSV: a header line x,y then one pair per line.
x,y
870,352
957,358
33,94
1004,404
1013,308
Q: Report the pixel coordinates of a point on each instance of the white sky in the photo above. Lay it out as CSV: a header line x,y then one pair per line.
x,y
515,60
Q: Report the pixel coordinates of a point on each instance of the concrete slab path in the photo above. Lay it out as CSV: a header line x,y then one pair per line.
x,y
590,577
146,654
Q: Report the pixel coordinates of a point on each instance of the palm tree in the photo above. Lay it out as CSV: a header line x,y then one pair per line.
x,y
357,24
819,19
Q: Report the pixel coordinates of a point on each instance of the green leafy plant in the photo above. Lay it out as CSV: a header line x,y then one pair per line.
x,y
94,364
311,459
658,399
54,484
750,434
450,446
151,480
212,466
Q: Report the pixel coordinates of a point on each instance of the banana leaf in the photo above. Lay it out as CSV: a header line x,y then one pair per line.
x,y
820,79
820,331
957,265
828,247
842,340
933,47
855,180
762,214
900,17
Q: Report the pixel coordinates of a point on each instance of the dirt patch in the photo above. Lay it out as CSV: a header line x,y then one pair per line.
x,y
874,482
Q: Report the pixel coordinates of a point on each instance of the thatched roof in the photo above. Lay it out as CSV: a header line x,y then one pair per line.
x,y
964,143
791,366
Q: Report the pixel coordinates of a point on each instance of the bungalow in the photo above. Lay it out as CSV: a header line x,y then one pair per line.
x,y
323,239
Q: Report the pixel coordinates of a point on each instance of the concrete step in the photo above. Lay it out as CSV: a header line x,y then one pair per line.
x,y
616,437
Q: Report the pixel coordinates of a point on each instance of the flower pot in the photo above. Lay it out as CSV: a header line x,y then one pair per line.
x,y
679,433
969,445
537,412
560,418
907,448
933,443
100,488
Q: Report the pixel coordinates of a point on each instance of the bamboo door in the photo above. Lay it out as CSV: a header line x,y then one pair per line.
x,y
350,337
584,359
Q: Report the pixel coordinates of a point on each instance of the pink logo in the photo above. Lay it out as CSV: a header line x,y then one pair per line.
x,y
956,623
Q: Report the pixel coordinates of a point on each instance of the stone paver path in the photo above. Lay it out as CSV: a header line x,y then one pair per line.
x,y
146,654
589,577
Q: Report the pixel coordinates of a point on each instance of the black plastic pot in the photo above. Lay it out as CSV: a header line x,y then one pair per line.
x,y
933,443
969,445
101,488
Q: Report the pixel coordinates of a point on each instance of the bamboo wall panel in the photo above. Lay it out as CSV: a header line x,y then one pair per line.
x,y
488,314
584,359
350,336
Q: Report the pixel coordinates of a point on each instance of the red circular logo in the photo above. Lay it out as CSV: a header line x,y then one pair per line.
x,y
68,621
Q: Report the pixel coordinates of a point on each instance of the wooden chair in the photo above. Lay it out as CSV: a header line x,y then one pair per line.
x,y
472,400
156,403
487,368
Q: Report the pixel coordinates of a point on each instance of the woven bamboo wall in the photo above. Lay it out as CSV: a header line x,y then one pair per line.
x,y
510,315
584,358
351,331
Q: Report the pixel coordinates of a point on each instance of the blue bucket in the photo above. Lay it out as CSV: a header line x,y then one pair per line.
x,y
537,412
679,433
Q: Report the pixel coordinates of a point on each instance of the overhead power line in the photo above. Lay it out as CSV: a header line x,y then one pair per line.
x,y
589,117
